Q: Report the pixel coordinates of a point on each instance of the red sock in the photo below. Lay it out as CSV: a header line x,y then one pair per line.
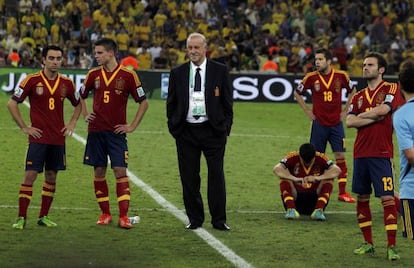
x,y
365,219
48,192
324,195
287,196
390,220
102,195
25,195
123,194
342,177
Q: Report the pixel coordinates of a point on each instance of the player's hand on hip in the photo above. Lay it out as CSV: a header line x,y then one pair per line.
x,y
33,131
90,117
123,129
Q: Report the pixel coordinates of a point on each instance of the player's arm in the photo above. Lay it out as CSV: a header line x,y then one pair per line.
x,y
304,106
348,103
355,121
121,129
13,107
283,172
376,113
70,127
332,172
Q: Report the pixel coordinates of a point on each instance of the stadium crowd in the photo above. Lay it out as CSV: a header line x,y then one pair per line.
x,y
242,34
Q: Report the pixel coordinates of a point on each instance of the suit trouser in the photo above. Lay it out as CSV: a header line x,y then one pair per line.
x,y
194,140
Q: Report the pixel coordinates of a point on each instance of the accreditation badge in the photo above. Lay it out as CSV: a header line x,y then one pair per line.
x,y
199,106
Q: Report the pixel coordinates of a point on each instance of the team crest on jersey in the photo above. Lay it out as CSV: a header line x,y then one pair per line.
x,y
337,86
63,92
97,82
296,170
380,97
39,89
360,101
120,84
317,85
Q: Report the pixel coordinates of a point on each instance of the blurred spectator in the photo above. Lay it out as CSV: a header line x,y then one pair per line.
x,y
85,60
14,58
25,6
270,65
144,57
130,62
234,59
40,35
3,57
200,8
122,38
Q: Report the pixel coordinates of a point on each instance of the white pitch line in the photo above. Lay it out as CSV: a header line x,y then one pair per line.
x,y
216,244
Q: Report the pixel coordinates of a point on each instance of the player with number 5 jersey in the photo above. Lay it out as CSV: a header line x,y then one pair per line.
x,y
112,84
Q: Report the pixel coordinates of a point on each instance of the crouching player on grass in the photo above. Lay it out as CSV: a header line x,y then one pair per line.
x,y
306,181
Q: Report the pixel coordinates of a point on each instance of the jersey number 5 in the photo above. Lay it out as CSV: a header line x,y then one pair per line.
x,y
106,96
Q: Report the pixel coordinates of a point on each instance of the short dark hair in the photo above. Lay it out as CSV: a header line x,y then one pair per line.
x,y
326,52
382,62
307,152
50,47
406,76
108,43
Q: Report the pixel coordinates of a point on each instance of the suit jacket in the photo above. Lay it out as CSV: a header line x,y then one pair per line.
x,y
218,97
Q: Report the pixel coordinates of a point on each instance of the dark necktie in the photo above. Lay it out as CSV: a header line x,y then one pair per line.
x,y
197,85
197,80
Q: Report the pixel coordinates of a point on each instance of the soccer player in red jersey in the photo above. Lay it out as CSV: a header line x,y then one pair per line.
x,y
306,181
326,115
370,113
46,90
112,84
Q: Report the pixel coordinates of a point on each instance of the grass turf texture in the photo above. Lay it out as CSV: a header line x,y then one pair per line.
x,y
262,134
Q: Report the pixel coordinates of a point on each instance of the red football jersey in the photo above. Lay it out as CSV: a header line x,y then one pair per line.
x,y
46,98
375,140
295,166
326,94
111,92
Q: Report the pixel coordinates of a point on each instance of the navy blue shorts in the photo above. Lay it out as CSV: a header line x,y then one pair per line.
x,y
47,156
407,213
373,172
321,135
103,144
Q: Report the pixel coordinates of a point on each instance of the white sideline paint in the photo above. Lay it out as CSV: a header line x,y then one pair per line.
x,y
227,253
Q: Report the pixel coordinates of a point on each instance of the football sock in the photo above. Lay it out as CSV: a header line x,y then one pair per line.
x,y
123,194
102,195
342,177
25,195
390,220
365,219
48,192
324,195
287,196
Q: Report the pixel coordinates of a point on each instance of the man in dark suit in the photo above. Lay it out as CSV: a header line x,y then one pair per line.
x,y
200,115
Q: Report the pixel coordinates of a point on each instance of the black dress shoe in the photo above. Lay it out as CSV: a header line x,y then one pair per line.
x,y
192,226
221,226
